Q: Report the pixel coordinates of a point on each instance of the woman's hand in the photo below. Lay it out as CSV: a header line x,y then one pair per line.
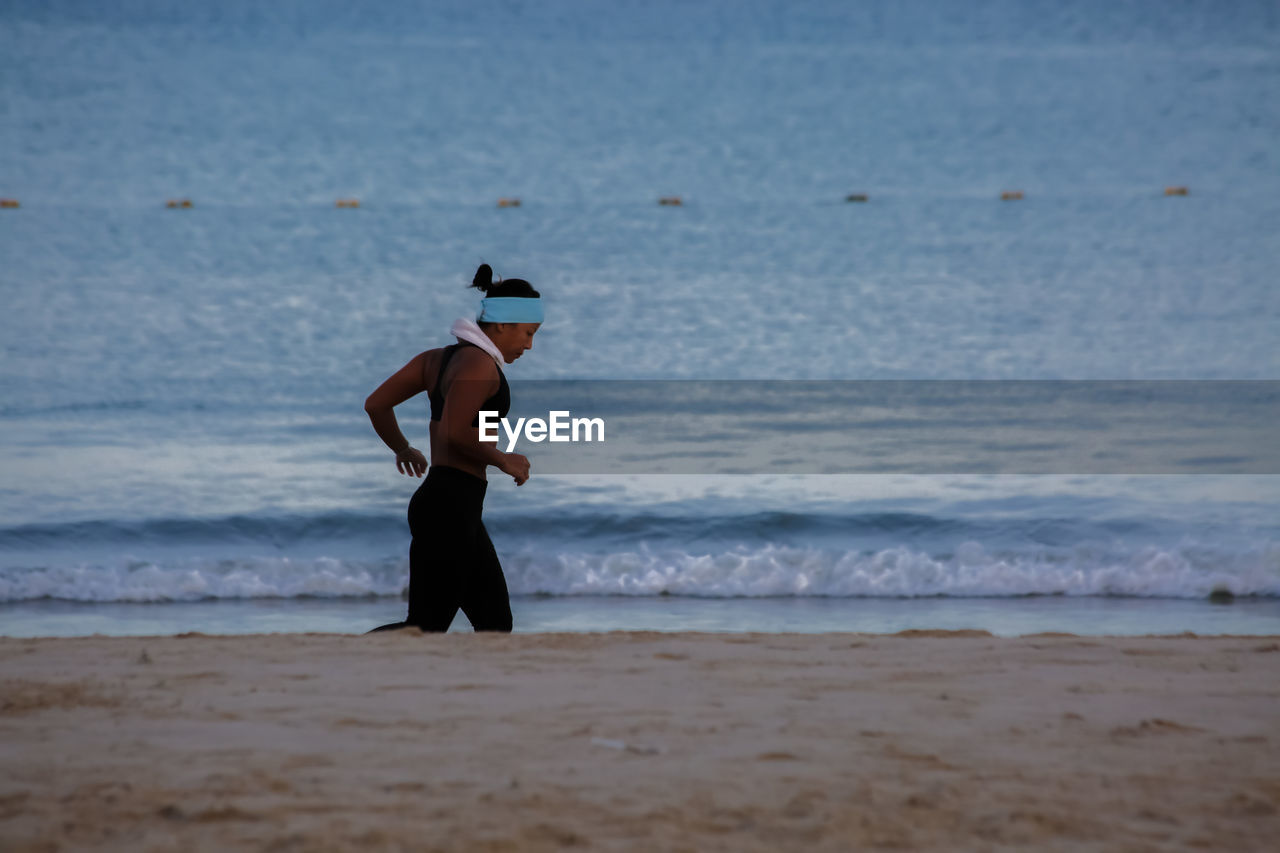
x,y
411,461
515,465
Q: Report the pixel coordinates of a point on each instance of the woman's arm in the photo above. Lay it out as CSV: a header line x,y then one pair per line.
x,y
380,405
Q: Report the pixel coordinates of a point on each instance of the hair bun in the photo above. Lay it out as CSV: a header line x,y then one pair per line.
x,y
484,278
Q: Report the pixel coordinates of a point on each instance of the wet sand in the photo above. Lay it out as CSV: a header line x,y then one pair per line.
x,y
639,741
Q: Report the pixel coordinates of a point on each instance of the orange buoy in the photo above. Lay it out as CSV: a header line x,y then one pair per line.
x,y
858,197
671,201
178,202
508,202
1176,191
9,202
347,202
1011,195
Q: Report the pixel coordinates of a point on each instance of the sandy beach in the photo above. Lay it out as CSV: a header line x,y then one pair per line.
x,y
640,741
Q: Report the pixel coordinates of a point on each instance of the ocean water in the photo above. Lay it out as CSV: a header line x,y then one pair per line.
x,y
182,441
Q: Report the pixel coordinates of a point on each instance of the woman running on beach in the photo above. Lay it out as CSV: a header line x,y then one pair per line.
x,y
452,563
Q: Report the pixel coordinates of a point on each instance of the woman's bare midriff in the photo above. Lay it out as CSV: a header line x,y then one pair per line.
x,y
440,457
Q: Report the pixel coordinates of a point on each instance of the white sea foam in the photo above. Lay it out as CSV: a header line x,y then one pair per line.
x,y
770,570
899,572
196,580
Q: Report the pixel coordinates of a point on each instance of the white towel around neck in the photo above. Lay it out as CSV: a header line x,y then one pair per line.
x,y
465,329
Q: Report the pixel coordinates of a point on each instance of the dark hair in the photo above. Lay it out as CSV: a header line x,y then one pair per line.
x,y
506,287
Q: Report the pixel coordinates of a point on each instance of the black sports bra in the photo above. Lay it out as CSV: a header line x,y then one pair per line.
x,y
500,401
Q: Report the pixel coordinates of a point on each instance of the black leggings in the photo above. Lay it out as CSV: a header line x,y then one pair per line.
x,y
452,563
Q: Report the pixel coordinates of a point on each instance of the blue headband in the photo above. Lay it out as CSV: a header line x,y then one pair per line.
x,y
510,309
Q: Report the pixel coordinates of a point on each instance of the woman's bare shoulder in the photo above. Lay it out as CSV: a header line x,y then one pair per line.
x,y
431,358
428,362
471,363
474,363
467,363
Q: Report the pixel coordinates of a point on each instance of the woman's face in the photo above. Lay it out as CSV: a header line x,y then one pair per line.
x,y
512,339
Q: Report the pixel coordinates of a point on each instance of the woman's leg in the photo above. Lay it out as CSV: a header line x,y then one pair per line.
x,y
434,590
439,549
484,595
